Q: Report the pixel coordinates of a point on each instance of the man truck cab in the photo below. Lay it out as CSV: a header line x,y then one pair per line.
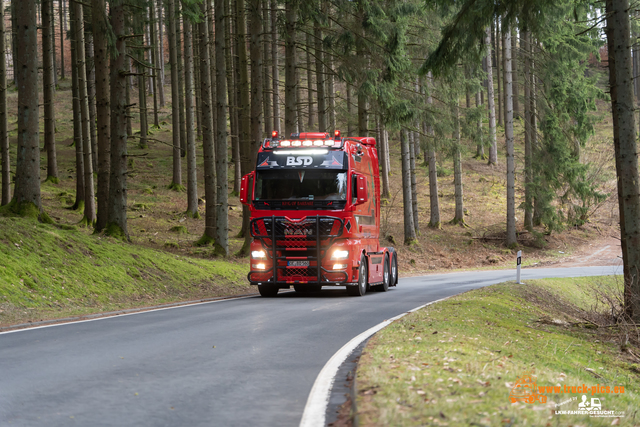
x,y
314,200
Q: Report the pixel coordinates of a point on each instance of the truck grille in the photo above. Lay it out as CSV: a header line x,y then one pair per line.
x,y
305,241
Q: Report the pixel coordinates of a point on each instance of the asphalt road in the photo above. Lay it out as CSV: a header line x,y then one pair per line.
x,y
243,362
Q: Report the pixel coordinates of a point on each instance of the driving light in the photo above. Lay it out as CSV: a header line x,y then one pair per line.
x,y
260,266
258,254
339,266
340,254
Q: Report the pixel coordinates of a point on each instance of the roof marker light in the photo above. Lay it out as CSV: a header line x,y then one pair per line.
x,y
285,143
274,134
318,143
296,143
307,143
336,133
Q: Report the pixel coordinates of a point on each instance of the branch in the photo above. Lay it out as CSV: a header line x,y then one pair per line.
x,y
142,64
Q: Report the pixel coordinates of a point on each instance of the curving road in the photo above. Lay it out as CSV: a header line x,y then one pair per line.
x,y
242,362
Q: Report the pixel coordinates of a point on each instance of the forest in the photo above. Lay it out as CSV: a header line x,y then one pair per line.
x,y
431,80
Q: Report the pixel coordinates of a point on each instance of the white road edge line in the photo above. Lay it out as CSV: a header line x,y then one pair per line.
x,y
71,322
316,407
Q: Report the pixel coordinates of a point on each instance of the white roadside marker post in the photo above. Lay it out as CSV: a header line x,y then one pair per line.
x,y
518,266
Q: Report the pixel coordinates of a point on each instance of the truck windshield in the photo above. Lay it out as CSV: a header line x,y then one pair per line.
x,y
301,185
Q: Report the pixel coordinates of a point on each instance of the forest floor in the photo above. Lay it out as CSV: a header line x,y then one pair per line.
x,y
157,222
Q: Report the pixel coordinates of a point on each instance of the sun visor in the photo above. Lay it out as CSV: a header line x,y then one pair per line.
x,y
302,159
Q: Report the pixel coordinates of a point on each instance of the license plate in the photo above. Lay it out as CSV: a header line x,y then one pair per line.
x,y
298,263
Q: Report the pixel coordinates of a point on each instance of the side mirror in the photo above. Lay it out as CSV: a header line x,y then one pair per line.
x,y
361,186
245,188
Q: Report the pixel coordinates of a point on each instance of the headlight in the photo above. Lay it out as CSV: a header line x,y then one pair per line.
x,y
260,266
340,254
258,254
339,266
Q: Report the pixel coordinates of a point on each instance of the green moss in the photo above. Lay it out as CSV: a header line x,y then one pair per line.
x,y
179,229
52,180
176,187
170,244
115,231
204,241
194,215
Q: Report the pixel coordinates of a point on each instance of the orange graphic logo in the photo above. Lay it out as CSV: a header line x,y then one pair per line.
x,y
526,390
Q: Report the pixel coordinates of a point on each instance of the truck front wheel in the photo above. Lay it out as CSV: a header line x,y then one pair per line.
x,y
268,290
361,289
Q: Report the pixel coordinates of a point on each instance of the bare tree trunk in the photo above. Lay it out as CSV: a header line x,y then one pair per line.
x,y
275,73
204,70
320,81
91,97
434,204
27,189
233,100
4,137
155,81
176,183
414,182
48,90
266,86
621,79
117,223
349,110
514,72
457,169
250,147
195,48
528,153
89,193
222,205
480,143
181,110
499,72
99,25
493,149
409,229
244,111
142,82
291,83
160,72
330,93
128,87
62,33
508,130
384,154
310,98
77,119
192,178
52,16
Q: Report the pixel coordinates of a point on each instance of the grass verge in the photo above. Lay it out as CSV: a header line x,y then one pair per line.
x,y
455,363
48,272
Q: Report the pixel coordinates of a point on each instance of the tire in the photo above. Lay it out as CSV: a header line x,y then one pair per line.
x,y
307,288
394,270
268,291
386,276
363,276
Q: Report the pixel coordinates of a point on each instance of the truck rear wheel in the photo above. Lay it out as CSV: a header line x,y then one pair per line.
x,y
394,270
268,290
386,276
361,289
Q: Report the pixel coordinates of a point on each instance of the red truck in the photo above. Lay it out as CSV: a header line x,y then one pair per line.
x,y
314,200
